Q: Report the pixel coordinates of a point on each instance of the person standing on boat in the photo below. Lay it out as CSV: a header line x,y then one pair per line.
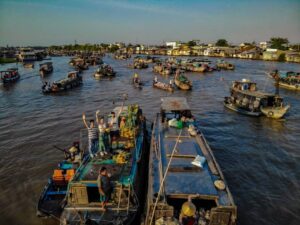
x,y
155,80
113,123
102,129
104,186
92,135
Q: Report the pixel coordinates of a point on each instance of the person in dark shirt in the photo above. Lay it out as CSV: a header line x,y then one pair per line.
x,y
104,186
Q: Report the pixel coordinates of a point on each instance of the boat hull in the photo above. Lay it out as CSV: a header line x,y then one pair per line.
x,y
295,87
182,86
163,86
240,110
275,112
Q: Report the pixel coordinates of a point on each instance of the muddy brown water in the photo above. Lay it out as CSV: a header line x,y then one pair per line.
x,y
259,156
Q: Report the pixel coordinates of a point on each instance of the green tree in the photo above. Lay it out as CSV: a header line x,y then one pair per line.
x,y
281,57
114,48
279,43
222,43
191,43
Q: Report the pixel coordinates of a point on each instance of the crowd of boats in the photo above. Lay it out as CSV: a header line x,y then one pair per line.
x,y
244,96
101,178
119,181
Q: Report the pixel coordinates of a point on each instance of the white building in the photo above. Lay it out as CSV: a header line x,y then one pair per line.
x,y
264,45
173,44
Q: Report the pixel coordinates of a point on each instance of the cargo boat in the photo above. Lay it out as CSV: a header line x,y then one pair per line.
x,y
184,176
126,163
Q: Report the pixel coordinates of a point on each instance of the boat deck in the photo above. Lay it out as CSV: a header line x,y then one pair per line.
x,y
184,178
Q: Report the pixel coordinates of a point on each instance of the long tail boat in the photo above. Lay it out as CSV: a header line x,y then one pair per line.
x,y
185,180
127,163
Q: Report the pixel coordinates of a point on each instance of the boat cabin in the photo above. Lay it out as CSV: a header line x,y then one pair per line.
x,y
245,84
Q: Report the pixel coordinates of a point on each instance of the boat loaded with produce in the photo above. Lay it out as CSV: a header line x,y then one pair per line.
x,y
125,165
186,184
73,80
246,99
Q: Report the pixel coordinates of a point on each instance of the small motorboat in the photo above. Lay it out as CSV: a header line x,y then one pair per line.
x,y
46,68
28,65
10,75
104,71
221,64
163,86
182,82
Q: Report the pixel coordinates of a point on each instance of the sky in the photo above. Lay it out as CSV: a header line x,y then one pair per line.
x,y
57,22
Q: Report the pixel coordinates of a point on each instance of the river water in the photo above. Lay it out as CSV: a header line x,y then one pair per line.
x,y
259,156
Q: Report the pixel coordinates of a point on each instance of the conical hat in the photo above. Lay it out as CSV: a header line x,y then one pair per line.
x,y
73,149
188,209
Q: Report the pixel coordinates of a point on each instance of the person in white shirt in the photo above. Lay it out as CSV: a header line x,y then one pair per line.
x,y
101,127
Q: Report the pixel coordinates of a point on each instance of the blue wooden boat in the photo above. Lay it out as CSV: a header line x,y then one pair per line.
x,y
126,164
52,198
185,180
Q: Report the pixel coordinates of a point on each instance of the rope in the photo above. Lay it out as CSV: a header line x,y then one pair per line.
x,y
164,177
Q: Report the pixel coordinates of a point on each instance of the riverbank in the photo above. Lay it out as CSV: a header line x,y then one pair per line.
x,y
7,60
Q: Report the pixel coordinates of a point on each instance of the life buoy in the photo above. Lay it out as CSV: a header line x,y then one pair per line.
x,y
270,113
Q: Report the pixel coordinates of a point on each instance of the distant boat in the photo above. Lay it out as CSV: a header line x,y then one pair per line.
x,y
182,82
163,86
29,65
10,75
104,71
288,80
221,64
46,68
73,80
246,99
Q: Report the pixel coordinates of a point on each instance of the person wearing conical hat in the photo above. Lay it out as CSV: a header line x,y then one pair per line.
x,y
188,214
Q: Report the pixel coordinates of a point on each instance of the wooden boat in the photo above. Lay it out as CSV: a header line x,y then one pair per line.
x,y
183,172
221,64
53,195
182,82
122,56
73,80
137,83
246,99
127,166
28,65
138,65
10,75
46,68
163,86
288,80
104,71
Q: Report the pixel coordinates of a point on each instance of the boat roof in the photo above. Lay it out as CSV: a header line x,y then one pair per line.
x,y
184,178
46,63
174,104
257,94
